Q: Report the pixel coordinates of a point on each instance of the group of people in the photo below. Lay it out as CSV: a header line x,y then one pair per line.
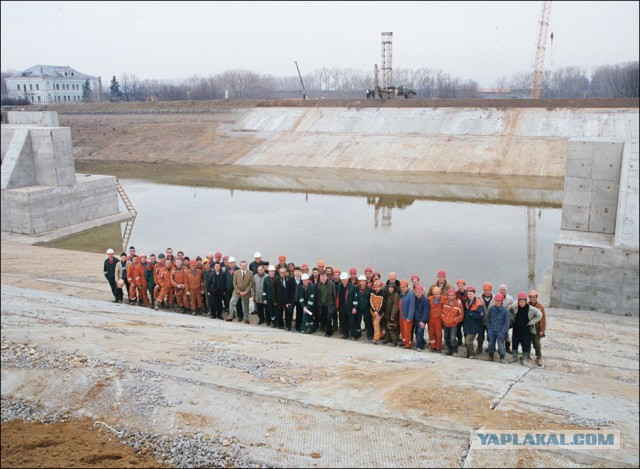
x,y
396,312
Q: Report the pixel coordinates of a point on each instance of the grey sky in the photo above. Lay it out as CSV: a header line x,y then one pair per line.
x,y
173,40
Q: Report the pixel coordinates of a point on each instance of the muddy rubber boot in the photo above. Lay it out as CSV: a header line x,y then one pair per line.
x,y
539,361
491,357
502,360
515,357
525,359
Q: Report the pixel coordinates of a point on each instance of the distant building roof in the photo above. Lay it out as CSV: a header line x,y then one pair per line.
x,y
52,71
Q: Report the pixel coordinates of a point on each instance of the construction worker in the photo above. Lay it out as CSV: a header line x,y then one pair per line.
x,y
497,326
206,268
178,275
149,276
164,282
242,282
193,289
215,290
461,294
326,300
306,299
487,298
268,296
473,316
391,315
132,267
422,317
452,317
415,281
297,278
523,317
141,280
436,303
507,302
360,300
283,290
353,276
110,264
376,310
441,283
257,291
393,278
156,282
540,326
344,306
228,288
407,309
123,267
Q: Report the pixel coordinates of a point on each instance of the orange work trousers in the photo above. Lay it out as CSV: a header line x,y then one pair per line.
x,y
139,292
378,333
195,298
406,331
435,333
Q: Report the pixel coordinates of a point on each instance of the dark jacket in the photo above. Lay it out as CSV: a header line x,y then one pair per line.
x,y
473,317
215,282
360,299
283,294
422,310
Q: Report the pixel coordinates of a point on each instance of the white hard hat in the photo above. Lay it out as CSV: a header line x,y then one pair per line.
x,y
344,276
109,251
362,277
272,267
232,259
305,277
257,254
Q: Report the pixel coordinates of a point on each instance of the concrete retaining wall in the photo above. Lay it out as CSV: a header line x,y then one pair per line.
x,y
512,141
596,258
41,192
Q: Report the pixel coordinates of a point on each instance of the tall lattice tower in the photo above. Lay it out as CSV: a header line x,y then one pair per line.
x,y
541,45
387,58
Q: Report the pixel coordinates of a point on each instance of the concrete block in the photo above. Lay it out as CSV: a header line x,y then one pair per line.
x,y
578,184
65,176
607,159
46,118
603,300
602,218
574,255
575,217
578,167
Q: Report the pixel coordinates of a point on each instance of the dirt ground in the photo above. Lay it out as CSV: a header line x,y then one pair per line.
x,y
76,443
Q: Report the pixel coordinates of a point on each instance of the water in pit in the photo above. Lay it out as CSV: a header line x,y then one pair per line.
x,y
477,241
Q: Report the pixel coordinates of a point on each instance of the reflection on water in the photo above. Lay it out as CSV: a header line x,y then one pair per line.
x,y
97,240
480,242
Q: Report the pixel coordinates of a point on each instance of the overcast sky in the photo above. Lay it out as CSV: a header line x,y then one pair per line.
x,y
173,40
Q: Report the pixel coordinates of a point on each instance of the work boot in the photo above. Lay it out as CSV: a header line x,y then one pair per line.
x,y
507,344
183,310
156,307
539,361
525,359
491,357
502,359
515,357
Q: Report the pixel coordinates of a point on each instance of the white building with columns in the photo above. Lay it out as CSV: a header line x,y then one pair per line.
x,y
48,84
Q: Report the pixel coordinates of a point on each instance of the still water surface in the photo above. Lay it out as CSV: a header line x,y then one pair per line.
x,y
479,242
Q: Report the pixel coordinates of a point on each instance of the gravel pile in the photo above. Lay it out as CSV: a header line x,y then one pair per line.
x,y
181,450
26,356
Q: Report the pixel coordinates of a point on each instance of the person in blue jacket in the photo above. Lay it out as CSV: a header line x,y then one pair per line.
x,y
498,320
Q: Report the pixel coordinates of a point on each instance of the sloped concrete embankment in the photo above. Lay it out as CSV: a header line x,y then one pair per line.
x,y
530,142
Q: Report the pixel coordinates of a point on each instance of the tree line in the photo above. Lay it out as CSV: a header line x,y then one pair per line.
x,y
607,81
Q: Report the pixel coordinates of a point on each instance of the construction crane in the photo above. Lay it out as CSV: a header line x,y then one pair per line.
x,y
536,86
304,91
541,45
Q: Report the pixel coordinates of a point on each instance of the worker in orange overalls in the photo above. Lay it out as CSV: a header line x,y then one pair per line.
x,y
452,316
164,282
156,270
141,281
435,320
178,274
133,278
193,288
